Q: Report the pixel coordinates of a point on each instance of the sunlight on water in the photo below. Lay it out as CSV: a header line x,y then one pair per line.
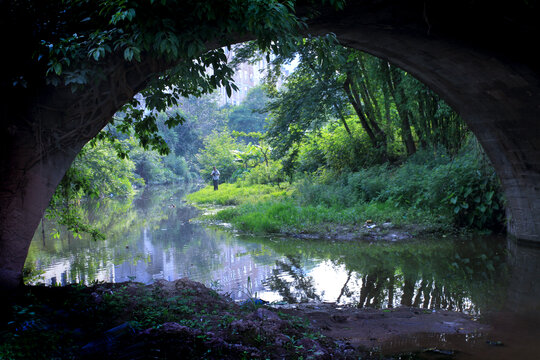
x,y
155,240
148,239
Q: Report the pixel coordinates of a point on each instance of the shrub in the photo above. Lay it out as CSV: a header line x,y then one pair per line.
x,y
219,148
262,174
463,189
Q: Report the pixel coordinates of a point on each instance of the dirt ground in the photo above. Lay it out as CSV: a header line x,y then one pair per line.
x,y
186,317
392,330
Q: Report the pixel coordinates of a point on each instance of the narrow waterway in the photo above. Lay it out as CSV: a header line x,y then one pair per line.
x,y
155,237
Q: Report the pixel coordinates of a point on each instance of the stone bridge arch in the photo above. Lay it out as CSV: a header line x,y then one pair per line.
x,y
475,54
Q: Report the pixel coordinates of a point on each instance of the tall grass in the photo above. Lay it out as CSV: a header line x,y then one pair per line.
x,y
430,189
461,191
235,194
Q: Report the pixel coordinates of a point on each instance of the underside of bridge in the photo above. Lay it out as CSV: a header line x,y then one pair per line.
x,y
475,54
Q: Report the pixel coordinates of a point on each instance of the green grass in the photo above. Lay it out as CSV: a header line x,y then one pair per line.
x,y
235,194
287,216
266,209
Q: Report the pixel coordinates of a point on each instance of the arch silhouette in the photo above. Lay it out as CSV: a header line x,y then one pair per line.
x,y
475,54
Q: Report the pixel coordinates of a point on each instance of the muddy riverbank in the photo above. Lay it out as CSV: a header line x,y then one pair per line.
x,y
162,320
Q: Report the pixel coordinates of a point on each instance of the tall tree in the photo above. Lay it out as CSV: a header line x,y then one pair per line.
x,y
331,82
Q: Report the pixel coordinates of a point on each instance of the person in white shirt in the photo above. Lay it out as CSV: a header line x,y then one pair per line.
x,y
215,177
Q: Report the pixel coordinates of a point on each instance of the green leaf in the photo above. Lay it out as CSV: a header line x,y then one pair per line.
x,y
128,54
57,67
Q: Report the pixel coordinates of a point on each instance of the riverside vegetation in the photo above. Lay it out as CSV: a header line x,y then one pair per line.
x,y
430,192
349,138
347,142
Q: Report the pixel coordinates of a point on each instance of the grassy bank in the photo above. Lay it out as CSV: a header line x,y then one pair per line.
x,y
287,216
236,194
431,192
269,209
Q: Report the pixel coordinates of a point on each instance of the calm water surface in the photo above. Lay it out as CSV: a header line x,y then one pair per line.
x,y
155,237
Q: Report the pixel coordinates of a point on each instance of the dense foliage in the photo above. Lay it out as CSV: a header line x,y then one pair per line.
x,y
360,139
431,191
345,128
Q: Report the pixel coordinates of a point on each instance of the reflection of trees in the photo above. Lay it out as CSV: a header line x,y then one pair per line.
x,y
296,286
345,289
438,274
422,290
85,256
122,222
372,293
430,294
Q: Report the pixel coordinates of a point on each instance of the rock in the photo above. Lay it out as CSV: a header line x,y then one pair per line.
x,y
265,314
313,347
281,340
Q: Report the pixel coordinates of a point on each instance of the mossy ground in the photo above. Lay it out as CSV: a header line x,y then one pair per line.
x,y
166,320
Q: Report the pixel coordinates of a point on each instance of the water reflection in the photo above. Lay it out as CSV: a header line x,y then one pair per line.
x,y
435,273
291,281
153,237
524,286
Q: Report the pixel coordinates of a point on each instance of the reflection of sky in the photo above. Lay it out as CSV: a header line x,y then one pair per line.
x,y
220,262
330,279
161,243
228,263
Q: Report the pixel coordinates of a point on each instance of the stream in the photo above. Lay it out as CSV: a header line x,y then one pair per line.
x,y
156,236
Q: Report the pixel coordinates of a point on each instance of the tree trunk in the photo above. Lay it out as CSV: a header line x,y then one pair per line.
x,y
344,287
343,121
357,106
399,98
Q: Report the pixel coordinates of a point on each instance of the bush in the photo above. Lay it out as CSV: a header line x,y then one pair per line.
x,y
333,148
178,165
469,189
219,148
463,189
262,174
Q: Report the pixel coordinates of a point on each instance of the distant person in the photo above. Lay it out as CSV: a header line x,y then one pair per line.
x,y
215,177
